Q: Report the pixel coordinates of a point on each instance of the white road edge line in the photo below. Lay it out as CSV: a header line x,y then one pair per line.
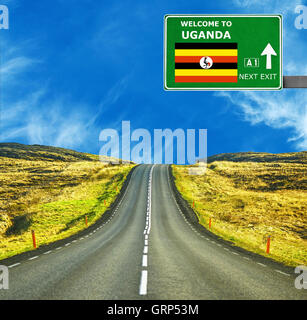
x,y
14,265
286,274
261,264
168,176
35,257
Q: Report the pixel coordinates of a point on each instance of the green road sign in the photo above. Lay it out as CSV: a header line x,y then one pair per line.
x,y
219,52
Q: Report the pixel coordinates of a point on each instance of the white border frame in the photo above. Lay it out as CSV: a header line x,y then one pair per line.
x,y
279,16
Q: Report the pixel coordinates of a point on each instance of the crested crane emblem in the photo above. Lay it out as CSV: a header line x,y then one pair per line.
x,y
206,62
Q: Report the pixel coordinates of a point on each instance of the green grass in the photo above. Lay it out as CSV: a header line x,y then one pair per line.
x,y
52,197
248,200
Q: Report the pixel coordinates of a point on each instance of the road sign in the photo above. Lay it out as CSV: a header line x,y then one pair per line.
x,y
223,52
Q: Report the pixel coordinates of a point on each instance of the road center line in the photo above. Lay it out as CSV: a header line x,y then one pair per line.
x,y
143,284
145,260
144,274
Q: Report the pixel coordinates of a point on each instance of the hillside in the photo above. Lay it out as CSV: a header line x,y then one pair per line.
x,y
250,196
51,190
44,153
291,157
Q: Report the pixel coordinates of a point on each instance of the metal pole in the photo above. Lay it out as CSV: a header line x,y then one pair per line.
x,y
295,81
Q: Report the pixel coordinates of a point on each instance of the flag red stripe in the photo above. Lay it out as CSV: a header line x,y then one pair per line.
x,y
217,59
206,79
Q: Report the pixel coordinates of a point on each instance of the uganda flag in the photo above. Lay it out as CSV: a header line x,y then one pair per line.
x,y
206,62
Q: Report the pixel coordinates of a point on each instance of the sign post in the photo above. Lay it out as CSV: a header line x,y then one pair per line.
x,y
223,52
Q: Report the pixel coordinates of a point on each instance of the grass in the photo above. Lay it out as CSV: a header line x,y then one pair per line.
x,y
51,191
252,197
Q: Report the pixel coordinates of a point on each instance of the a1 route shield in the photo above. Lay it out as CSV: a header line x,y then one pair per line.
x,y
219,52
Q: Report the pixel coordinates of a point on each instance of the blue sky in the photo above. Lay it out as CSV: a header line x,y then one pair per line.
x,y
72,68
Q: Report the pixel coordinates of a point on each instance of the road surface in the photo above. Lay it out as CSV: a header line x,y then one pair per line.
x,y
148,250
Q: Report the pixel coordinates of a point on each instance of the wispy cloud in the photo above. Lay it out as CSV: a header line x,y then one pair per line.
x,y
40,121
35,116
282,109
61,122
278,110
14,66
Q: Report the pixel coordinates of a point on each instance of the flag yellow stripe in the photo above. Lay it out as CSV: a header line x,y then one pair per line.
x,y
206,52
206,72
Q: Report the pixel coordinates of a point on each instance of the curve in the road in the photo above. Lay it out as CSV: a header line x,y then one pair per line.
x,y
118,260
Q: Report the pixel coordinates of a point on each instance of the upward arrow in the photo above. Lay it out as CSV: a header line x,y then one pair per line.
x,y
268,52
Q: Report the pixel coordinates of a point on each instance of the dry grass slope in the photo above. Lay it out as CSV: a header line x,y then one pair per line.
x,y
51,190
250,196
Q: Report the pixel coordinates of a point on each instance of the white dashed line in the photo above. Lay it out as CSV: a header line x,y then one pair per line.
x,y
261,264
143,284
184,217
145,261
82,238
14,265
35,257
286,274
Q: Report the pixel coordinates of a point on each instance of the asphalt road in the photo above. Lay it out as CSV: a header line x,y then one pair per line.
x,y
148,250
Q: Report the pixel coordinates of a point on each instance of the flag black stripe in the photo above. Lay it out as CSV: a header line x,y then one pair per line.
x,y
220,65
206,45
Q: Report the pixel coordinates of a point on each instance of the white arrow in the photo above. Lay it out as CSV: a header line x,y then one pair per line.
x,y
268,52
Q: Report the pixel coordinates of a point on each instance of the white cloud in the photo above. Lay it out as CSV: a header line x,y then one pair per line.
x,y
58,122
14,66
29,113
286,109
249,3
279,110
45,122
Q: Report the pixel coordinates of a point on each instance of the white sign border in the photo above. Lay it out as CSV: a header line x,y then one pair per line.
x,y
279,16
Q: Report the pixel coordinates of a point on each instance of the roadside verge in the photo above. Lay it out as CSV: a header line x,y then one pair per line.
x,y
45,247
193,219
